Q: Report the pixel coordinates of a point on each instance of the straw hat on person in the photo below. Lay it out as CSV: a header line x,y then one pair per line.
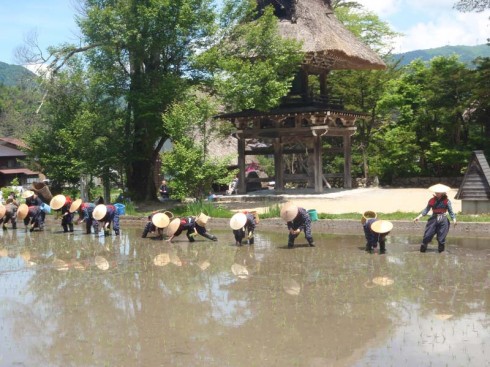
x,y
99,212
27,194
238,221
173,226
369,214
439,188
289,211
22,211
160,220
57,202
382,226
3,210
202,219
75,205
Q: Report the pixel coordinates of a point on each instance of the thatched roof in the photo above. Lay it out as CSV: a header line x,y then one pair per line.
x,y
326,42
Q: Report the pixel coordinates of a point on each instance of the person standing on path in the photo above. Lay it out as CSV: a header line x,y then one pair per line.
x,y
438,224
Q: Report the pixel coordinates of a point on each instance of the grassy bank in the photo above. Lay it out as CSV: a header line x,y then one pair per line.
x,y
216,210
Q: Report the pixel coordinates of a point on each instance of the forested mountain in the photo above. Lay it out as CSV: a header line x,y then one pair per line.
x,y
11,75
466,54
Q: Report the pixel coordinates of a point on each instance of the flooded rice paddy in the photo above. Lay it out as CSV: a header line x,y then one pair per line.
x,y
84,300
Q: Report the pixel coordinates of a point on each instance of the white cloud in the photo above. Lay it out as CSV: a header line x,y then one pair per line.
x,y
428,24
448,29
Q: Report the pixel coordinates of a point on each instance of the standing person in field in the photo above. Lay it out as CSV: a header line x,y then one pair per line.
x,y
438,224
63,203
297,219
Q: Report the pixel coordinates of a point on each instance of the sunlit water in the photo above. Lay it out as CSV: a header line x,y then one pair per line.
x,y
85,300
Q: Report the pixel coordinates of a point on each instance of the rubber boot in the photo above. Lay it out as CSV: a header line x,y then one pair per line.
x,y
290,244
238,243
382,248
251,241
70,227
116,232
423,247
369,248
441,248
311,243
65,228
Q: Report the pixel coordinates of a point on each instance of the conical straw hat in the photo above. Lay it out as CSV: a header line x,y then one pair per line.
x,y
99,212
160,220
173,226
57,202
289,211
27,194
439,188
75,205
382,226
3,210
368,215
22,211
238,221
202,219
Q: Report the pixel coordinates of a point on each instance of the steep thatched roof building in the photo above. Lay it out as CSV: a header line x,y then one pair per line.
x,y
474,191
305,116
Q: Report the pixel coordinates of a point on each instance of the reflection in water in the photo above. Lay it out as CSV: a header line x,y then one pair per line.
x,y
86,300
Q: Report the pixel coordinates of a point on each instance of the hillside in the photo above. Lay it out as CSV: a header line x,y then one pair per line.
x,y
466,53
11,75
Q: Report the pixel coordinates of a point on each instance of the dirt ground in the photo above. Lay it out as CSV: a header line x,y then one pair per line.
x,y
334,201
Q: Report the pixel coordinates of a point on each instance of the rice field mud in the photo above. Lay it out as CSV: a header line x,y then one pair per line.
x,y
88,300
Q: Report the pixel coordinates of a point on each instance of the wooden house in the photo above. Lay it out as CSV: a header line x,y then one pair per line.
x,y
11,166
474,191
305,117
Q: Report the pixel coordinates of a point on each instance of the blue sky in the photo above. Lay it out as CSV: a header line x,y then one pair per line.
x,y
424,23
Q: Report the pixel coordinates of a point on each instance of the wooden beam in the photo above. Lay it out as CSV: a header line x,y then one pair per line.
x,y
278,164
347,162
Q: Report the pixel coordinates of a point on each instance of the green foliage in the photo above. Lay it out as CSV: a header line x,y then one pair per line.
x,y
199,206
192,174
272,211
253,67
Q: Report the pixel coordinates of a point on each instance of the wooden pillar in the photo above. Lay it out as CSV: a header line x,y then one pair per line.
x,y
278,165
242,185
318,166
347,160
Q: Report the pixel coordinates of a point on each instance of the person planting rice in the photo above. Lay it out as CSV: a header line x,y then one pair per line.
x,y
85,211
297,220
107,215
243,225
193,225
62,203
375,231
157,221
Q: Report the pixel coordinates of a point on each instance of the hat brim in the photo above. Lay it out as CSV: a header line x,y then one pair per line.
x,y
160,220
238,221
27,194
173,226
439,188
57,202
22,211
202,219
99,212
75,205
289,211
382,226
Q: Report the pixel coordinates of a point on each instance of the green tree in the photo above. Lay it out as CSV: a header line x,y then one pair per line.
x,y
362,90
191,168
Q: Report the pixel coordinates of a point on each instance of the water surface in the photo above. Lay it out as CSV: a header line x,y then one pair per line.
x,y
86,300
